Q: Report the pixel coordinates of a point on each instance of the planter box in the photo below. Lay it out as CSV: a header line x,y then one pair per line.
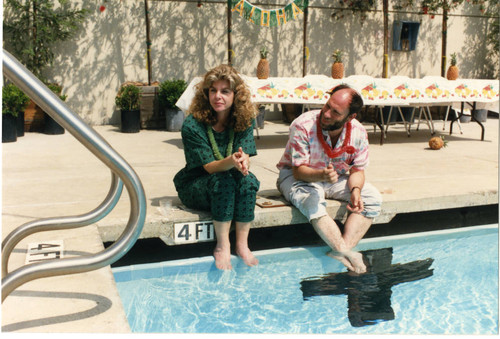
x,y
33,118
152,117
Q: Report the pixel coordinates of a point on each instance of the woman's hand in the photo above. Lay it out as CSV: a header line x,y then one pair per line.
x,y
241,161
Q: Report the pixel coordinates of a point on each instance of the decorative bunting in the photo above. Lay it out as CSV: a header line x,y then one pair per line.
x,y
268,18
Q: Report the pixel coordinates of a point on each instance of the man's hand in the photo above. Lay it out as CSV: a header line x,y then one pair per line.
x,y
330,175
356,205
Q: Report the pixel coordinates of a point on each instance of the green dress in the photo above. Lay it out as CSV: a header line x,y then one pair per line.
x,y
227,195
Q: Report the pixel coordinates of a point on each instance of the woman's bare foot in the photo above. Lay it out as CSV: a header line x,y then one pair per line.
x,y
351,259
247,256
222,258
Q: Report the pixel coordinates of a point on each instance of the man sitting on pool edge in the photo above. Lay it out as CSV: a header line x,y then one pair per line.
x,y
312,171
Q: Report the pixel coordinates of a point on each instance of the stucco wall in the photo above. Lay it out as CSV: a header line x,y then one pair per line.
x,y
188,40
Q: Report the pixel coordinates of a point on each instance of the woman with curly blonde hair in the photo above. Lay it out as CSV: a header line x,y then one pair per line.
x,y
218,143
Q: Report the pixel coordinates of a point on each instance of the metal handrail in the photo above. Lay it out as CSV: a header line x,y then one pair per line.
x,y
61,223
75,125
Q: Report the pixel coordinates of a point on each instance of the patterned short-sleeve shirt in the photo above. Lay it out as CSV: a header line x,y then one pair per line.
x,y
304,148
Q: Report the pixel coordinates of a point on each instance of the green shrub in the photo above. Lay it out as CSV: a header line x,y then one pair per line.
x,y
170,91
128,98
13,100
57,89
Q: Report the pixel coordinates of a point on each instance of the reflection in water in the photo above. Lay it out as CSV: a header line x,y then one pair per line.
x,y
368,294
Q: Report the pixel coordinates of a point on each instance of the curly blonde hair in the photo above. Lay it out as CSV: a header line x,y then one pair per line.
x,y
242,111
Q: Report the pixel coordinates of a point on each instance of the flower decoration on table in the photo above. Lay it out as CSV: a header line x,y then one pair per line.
x,y
403,92
268,91
489,92
305,91
370,91
433,91
463,91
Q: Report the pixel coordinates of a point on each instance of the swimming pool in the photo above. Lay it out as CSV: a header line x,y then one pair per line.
x,y
441,282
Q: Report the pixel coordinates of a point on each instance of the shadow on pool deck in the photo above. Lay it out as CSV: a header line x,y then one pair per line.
x,y
46,176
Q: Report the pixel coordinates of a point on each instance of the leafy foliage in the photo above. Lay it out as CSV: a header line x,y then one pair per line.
x,y
57,89
13,100
433,6
170,91
337,55
263,52
361,7
128,98
32,27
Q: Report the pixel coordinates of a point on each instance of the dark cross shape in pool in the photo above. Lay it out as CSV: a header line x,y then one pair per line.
x,y
368,294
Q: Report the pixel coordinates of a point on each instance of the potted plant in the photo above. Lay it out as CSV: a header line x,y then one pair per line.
x,y
50,126
31,31
170,91
128,100
13,102
33,27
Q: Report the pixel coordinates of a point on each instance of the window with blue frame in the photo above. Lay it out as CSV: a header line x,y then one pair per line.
x,y
405,34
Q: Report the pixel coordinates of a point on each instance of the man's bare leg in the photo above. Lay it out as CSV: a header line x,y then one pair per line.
x,y
242,250
355,229
328,230
222,251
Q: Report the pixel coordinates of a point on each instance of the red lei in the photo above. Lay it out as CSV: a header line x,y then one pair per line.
x,y
345,148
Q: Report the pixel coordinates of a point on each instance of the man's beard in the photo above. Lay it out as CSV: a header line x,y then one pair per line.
x,y
335,126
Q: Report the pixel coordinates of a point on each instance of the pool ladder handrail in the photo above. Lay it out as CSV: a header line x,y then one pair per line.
x,y
122,174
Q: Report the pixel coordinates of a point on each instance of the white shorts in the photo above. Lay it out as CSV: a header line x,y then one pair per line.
x,y
309,197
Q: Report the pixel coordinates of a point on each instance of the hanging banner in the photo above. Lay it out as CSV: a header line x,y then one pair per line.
x,y
268,18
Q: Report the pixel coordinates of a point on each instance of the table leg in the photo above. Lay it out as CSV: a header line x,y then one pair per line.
x,y
404,121
381,126
474,118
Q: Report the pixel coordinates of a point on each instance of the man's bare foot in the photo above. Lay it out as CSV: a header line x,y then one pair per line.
x,y
351,259
222,258
336,255
247,256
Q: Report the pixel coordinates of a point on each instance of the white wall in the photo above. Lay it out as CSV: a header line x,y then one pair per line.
x,y
187,41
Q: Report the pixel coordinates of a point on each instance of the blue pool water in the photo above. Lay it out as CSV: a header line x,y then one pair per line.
x,y
443,282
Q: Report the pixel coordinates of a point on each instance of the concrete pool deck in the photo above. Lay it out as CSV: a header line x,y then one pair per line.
x,y
46,176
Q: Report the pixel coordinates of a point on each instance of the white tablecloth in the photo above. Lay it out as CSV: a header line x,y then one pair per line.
x,y
394,91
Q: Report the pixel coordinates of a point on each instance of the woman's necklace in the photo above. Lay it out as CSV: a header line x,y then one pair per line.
x,y
345,148
215,149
